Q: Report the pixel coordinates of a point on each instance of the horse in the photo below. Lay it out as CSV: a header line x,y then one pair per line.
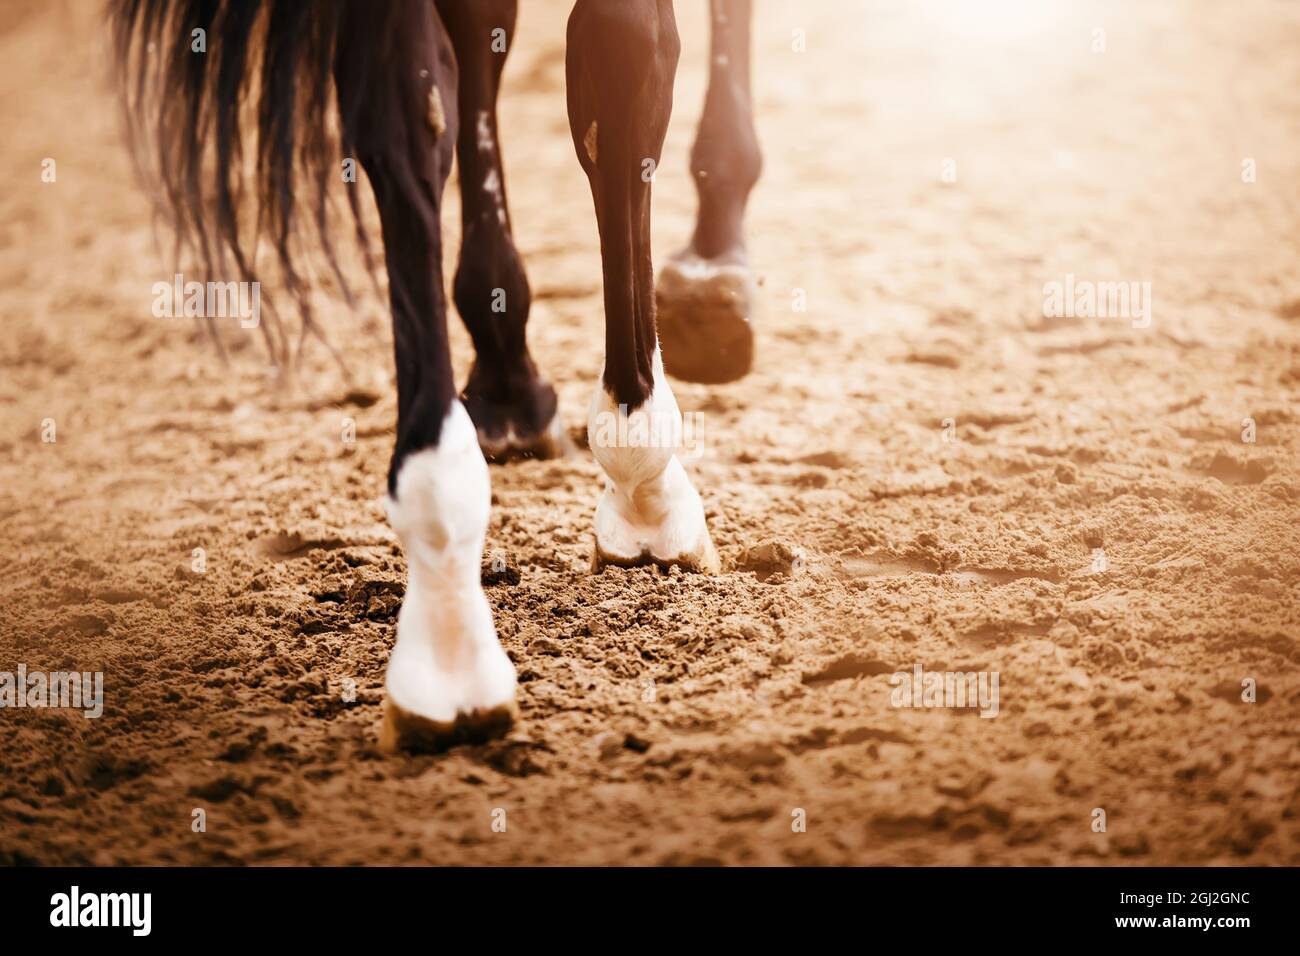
x,y
412,85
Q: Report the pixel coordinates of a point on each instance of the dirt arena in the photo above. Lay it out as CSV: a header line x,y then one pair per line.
x,y
922,469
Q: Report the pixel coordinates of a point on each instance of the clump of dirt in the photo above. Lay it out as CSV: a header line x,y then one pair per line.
x,y
771,558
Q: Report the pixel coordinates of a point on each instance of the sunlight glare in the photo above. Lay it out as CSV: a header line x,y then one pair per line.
x,y
994,20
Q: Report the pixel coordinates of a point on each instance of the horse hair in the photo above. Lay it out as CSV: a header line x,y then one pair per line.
x,y
184,111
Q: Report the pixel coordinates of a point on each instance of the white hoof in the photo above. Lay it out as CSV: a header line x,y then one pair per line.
x,y
649,512
448,678
661,523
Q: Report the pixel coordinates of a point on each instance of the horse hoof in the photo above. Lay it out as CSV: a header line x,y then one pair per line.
x,y
440,695
408,732
704,318
515,422
674,533
704,560
551,442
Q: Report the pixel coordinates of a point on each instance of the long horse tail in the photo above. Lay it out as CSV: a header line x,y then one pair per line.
x,y
190,69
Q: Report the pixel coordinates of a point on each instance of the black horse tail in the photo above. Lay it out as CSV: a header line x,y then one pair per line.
x,y
190,69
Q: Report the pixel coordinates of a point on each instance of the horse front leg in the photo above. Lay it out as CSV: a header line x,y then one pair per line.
x,y
620,64
448,678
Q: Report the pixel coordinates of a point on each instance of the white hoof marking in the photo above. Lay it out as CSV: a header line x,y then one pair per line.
x,y
447,661
649,509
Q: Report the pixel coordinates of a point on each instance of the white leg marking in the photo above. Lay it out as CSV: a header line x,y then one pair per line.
x,y
447,661
649,508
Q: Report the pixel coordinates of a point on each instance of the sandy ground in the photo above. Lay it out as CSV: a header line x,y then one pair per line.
x,y
683,719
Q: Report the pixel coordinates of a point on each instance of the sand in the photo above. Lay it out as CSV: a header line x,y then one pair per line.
x,y
921,469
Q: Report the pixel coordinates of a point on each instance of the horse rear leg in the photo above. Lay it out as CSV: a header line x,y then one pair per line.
x,y
620,65
448,677
706,292
513,408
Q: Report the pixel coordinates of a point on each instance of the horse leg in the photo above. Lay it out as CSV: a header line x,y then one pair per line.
x,y
706,292
620,64
513,408
448,677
